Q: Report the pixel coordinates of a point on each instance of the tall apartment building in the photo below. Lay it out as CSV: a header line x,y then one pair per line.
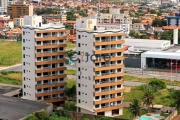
x,y
5,3
19,9
43,61
99,80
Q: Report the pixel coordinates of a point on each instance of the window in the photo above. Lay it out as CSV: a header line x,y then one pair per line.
x,y
96,106
24,78
79,69
97,97
79,85
79,61
23,55
24,86
79,36
23,63
24,93
79,101
79,93
24,71
23,40
23,32
79,45
79,77
82,21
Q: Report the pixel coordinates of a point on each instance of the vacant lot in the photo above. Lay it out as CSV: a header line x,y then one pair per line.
x,y
10,52
11,77
162,97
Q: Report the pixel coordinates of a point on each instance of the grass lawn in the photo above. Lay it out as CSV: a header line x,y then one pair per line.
x,y
161,96
13,78
70,82
10,52
71,72
127,114
70,46
147,80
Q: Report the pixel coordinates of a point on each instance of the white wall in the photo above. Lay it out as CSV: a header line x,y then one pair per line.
x,y
33,20
86,70
29,66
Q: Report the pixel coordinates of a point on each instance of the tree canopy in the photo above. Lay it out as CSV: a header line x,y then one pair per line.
x,y
159,22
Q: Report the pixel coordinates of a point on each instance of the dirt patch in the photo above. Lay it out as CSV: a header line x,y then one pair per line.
x,y
127,89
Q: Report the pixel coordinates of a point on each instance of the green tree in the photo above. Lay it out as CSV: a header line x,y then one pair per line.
x,y
176,97
42,115
132,33
135,108
83,13
156,36
78,8
148,98
71,16
136,21
158,84
159,22
31,117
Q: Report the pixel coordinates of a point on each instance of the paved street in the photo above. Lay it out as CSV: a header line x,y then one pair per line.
x,y
17,67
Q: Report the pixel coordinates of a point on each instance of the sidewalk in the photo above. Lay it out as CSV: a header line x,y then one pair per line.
x,y
4,68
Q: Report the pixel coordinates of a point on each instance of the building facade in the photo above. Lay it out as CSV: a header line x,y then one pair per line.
x,y
18,22
19,9
99,81
173,20
43,61
5,3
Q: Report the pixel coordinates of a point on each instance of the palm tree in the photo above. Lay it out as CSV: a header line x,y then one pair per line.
x,y
135,107
148,98
176,96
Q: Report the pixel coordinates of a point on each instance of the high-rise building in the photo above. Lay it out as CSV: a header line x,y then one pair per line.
x,y
43,61
99,69
5,3
19,9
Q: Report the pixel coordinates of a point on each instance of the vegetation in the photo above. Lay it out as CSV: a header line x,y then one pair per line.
x,y
148,98
128,115
71,16
83,13
159,23
157,84
47,11
136,21
70,45
10,55
176,96
11,77
58,115
135,34
71,72
162,97
135,108
147,80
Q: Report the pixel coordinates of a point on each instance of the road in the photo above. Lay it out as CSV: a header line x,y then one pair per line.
x,y
17,67
137,72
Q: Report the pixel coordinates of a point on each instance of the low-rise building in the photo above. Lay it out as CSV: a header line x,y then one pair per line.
x,y
18,22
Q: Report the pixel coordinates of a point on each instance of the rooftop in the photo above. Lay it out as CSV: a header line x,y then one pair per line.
x,y
15,108
174,48
146,41
46,26
5,89
165,55
91,30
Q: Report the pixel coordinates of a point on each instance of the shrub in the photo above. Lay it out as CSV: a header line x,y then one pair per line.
x,y
148,114
4,72
156,83
31,117
42,115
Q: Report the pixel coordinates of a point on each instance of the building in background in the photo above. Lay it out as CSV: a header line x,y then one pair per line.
x,y
43,61
99,82
19,9
2,10
5,3
18,22
173,20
